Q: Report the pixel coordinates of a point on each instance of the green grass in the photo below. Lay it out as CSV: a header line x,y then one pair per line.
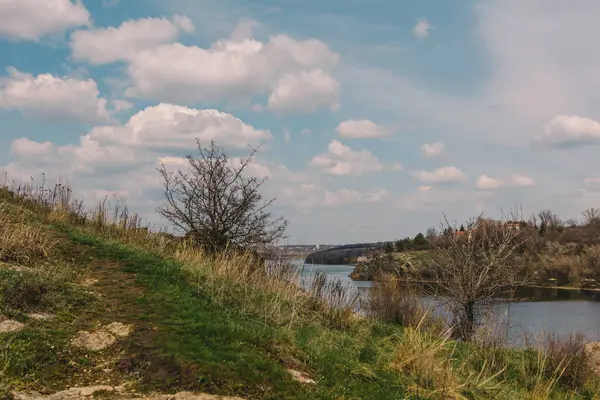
x,y
214,325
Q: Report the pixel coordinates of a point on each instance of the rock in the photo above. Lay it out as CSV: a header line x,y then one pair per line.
x,y
300,376
89,282
9,325
81,393
69,394
41,316
119,329
93,341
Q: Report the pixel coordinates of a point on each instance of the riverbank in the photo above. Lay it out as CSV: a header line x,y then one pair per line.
x,y
131,310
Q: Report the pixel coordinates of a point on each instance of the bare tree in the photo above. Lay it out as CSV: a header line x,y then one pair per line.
x,y
217,204
571,223
472,270
549,220
591,216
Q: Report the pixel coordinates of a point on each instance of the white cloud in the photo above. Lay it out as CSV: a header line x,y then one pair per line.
x,y
168,126
441,175
295,74
121,105
342,160
422,28
424,188
433,149
50,97
569,131
287,136
356,129
304,92
107,45
26,147
33,19
519,180
485,182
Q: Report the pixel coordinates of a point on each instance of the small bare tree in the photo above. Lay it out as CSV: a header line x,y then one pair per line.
x,y
473,269
591,216
217,205
549,220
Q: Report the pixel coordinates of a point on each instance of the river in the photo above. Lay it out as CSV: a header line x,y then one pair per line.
x,y
545,310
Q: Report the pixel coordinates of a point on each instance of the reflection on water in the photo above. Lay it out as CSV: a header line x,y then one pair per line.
x,y
542,310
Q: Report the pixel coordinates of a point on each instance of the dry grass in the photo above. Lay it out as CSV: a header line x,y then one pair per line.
x,y
22,242
431,361
272,291
568,355
396,302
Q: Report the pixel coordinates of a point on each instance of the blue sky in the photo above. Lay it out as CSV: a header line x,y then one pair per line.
x,y
377,116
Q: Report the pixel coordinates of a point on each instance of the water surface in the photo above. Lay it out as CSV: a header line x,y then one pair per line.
x,y
542,310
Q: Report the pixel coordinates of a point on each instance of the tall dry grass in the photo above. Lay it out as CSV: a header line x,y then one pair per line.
x,y
397,302
436,370
272,291
21,241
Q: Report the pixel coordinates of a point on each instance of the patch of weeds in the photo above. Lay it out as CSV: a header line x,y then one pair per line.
x,y
33,355
26,291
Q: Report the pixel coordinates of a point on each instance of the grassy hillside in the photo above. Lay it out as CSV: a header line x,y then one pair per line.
x,y
220,325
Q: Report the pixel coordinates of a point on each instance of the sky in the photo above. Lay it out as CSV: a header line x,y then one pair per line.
x,y
375,118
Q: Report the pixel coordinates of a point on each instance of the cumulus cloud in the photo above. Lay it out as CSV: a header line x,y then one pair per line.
x,y
33,19
441,175
433,149
304,92
364,128
485,182
50,97
168,126
422,28
295,74
107,45
519,180
570,131
342,160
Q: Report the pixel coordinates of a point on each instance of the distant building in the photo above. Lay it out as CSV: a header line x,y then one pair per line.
x,y
362,259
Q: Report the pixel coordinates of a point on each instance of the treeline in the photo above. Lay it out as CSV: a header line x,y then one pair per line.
x,y
419,242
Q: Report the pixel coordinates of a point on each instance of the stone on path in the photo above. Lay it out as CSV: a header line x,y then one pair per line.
x,y
300,376
9,325
41,316
102,339
119,329
93,341
82,393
